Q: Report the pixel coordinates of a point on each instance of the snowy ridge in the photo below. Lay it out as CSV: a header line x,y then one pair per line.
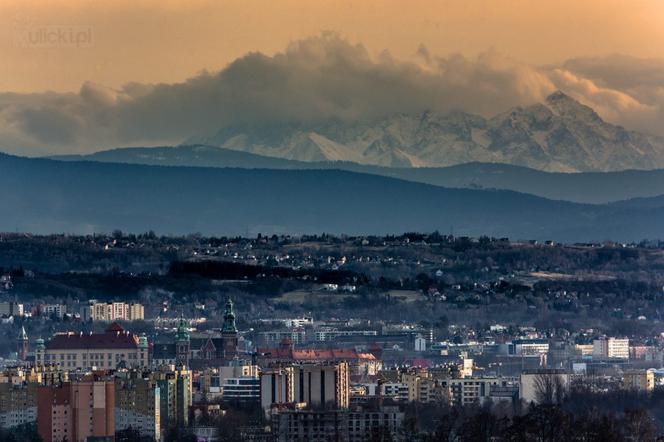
x,y
559,135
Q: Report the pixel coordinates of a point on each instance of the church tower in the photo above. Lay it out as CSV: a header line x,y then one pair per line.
x,y
182,344
229,332
22,345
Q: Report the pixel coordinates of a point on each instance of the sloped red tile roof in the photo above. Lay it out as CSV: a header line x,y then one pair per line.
x,y
115,327
109,340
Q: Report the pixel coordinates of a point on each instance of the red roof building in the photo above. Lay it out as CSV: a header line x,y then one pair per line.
x,y
114,348
360,363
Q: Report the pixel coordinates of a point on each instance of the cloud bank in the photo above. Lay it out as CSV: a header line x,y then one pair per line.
x,y
317,79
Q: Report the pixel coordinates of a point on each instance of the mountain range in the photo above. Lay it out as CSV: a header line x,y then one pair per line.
x,y
559,135
548,171
45,196
582,187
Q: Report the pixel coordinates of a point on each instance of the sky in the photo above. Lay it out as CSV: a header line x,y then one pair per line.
x,y
81,75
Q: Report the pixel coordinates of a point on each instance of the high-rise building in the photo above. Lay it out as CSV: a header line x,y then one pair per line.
x,y
175,395
77,410
321,384
313,384
137,404
276,387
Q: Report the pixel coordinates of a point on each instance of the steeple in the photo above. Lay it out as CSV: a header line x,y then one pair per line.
x,y
182,343
143,341
22,336
22,345
229,332
229,318
183,331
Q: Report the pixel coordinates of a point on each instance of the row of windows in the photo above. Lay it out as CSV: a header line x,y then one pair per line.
x,y
93,356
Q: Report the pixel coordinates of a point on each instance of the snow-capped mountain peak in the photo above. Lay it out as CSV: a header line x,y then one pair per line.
x,y
560,134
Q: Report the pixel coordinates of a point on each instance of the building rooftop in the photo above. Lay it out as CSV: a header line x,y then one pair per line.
x,y
114,337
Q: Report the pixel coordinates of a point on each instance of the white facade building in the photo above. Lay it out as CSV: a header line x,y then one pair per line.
x,y
611,348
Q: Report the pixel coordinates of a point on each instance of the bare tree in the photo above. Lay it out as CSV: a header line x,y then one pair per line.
x,y
550,388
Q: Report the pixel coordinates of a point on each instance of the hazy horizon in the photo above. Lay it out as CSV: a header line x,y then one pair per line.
x,y
153,74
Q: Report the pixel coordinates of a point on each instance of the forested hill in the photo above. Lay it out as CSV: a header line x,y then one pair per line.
x,y
42,196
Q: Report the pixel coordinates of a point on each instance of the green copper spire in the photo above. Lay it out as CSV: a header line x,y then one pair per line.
x,y
183,332
229,319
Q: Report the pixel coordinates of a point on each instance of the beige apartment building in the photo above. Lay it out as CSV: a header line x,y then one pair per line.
x,y
113,311
611,348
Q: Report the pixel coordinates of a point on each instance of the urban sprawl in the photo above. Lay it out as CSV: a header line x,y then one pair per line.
x,y
415,337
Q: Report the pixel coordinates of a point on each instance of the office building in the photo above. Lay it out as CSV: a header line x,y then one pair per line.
x,y
243,389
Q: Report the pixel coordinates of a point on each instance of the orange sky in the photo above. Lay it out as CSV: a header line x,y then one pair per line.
x,y
169,41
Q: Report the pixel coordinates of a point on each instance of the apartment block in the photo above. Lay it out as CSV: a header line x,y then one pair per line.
x,y
137,404
357,425
57,310
611,348
468,391
276,387
18,403
321,384
113,311
175,395
77,410
11,309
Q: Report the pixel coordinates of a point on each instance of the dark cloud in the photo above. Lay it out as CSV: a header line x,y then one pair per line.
x,y
316,79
